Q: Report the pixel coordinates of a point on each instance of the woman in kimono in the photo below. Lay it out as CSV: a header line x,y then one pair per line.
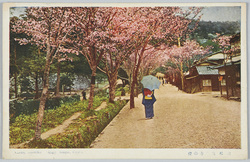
x,y
148,101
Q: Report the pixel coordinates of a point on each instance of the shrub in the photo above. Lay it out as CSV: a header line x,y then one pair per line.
x,y
83,132
23,128
39,144
100,92
118,91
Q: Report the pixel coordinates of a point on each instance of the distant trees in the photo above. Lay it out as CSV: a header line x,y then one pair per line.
x,y
206,32
34,67
25,74
208,29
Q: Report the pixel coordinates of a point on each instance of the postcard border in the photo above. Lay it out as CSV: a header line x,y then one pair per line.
x,y
122,153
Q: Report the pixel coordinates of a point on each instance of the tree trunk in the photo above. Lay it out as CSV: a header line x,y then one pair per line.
x,y
15,75
112,85
43,99
63,89
132,90
135,74
132,86
132,100
92,88
137,89
36,87
111,93
57,93
41,112
45,90
233,78
182,77
226,79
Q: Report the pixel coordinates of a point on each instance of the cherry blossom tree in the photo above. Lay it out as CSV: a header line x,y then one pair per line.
x,y
152,59
113,61
180,54
120,46
224,42
95,37
172,73
225,45
156,23
47,28
157,58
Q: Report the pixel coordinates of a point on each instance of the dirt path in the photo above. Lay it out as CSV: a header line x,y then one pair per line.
x,y
181,121
60,128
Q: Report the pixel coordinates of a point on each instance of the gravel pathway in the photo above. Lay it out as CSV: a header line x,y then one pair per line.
x,y
201,120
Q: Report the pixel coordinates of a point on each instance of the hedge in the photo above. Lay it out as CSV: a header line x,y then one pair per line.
x,y
23,128
82,132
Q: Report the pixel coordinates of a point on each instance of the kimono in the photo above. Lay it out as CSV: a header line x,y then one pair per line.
x,y
148,101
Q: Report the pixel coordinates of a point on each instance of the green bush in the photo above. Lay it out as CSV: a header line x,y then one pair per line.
x,y
83,132
41,143
23,128
100,92
118,91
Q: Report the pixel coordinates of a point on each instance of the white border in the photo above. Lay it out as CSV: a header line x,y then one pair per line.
x,y
8,5
123,153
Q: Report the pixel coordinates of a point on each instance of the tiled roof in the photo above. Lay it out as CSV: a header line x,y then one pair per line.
x,y
207,70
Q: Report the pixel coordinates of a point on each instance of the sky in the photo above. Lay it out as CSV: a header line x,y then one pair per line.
x,y
209,13
221,14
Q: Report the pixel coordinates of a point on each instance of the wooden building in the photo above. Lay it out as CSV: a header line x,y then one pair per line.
x,y
230,71
202,79
217,72
230,82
